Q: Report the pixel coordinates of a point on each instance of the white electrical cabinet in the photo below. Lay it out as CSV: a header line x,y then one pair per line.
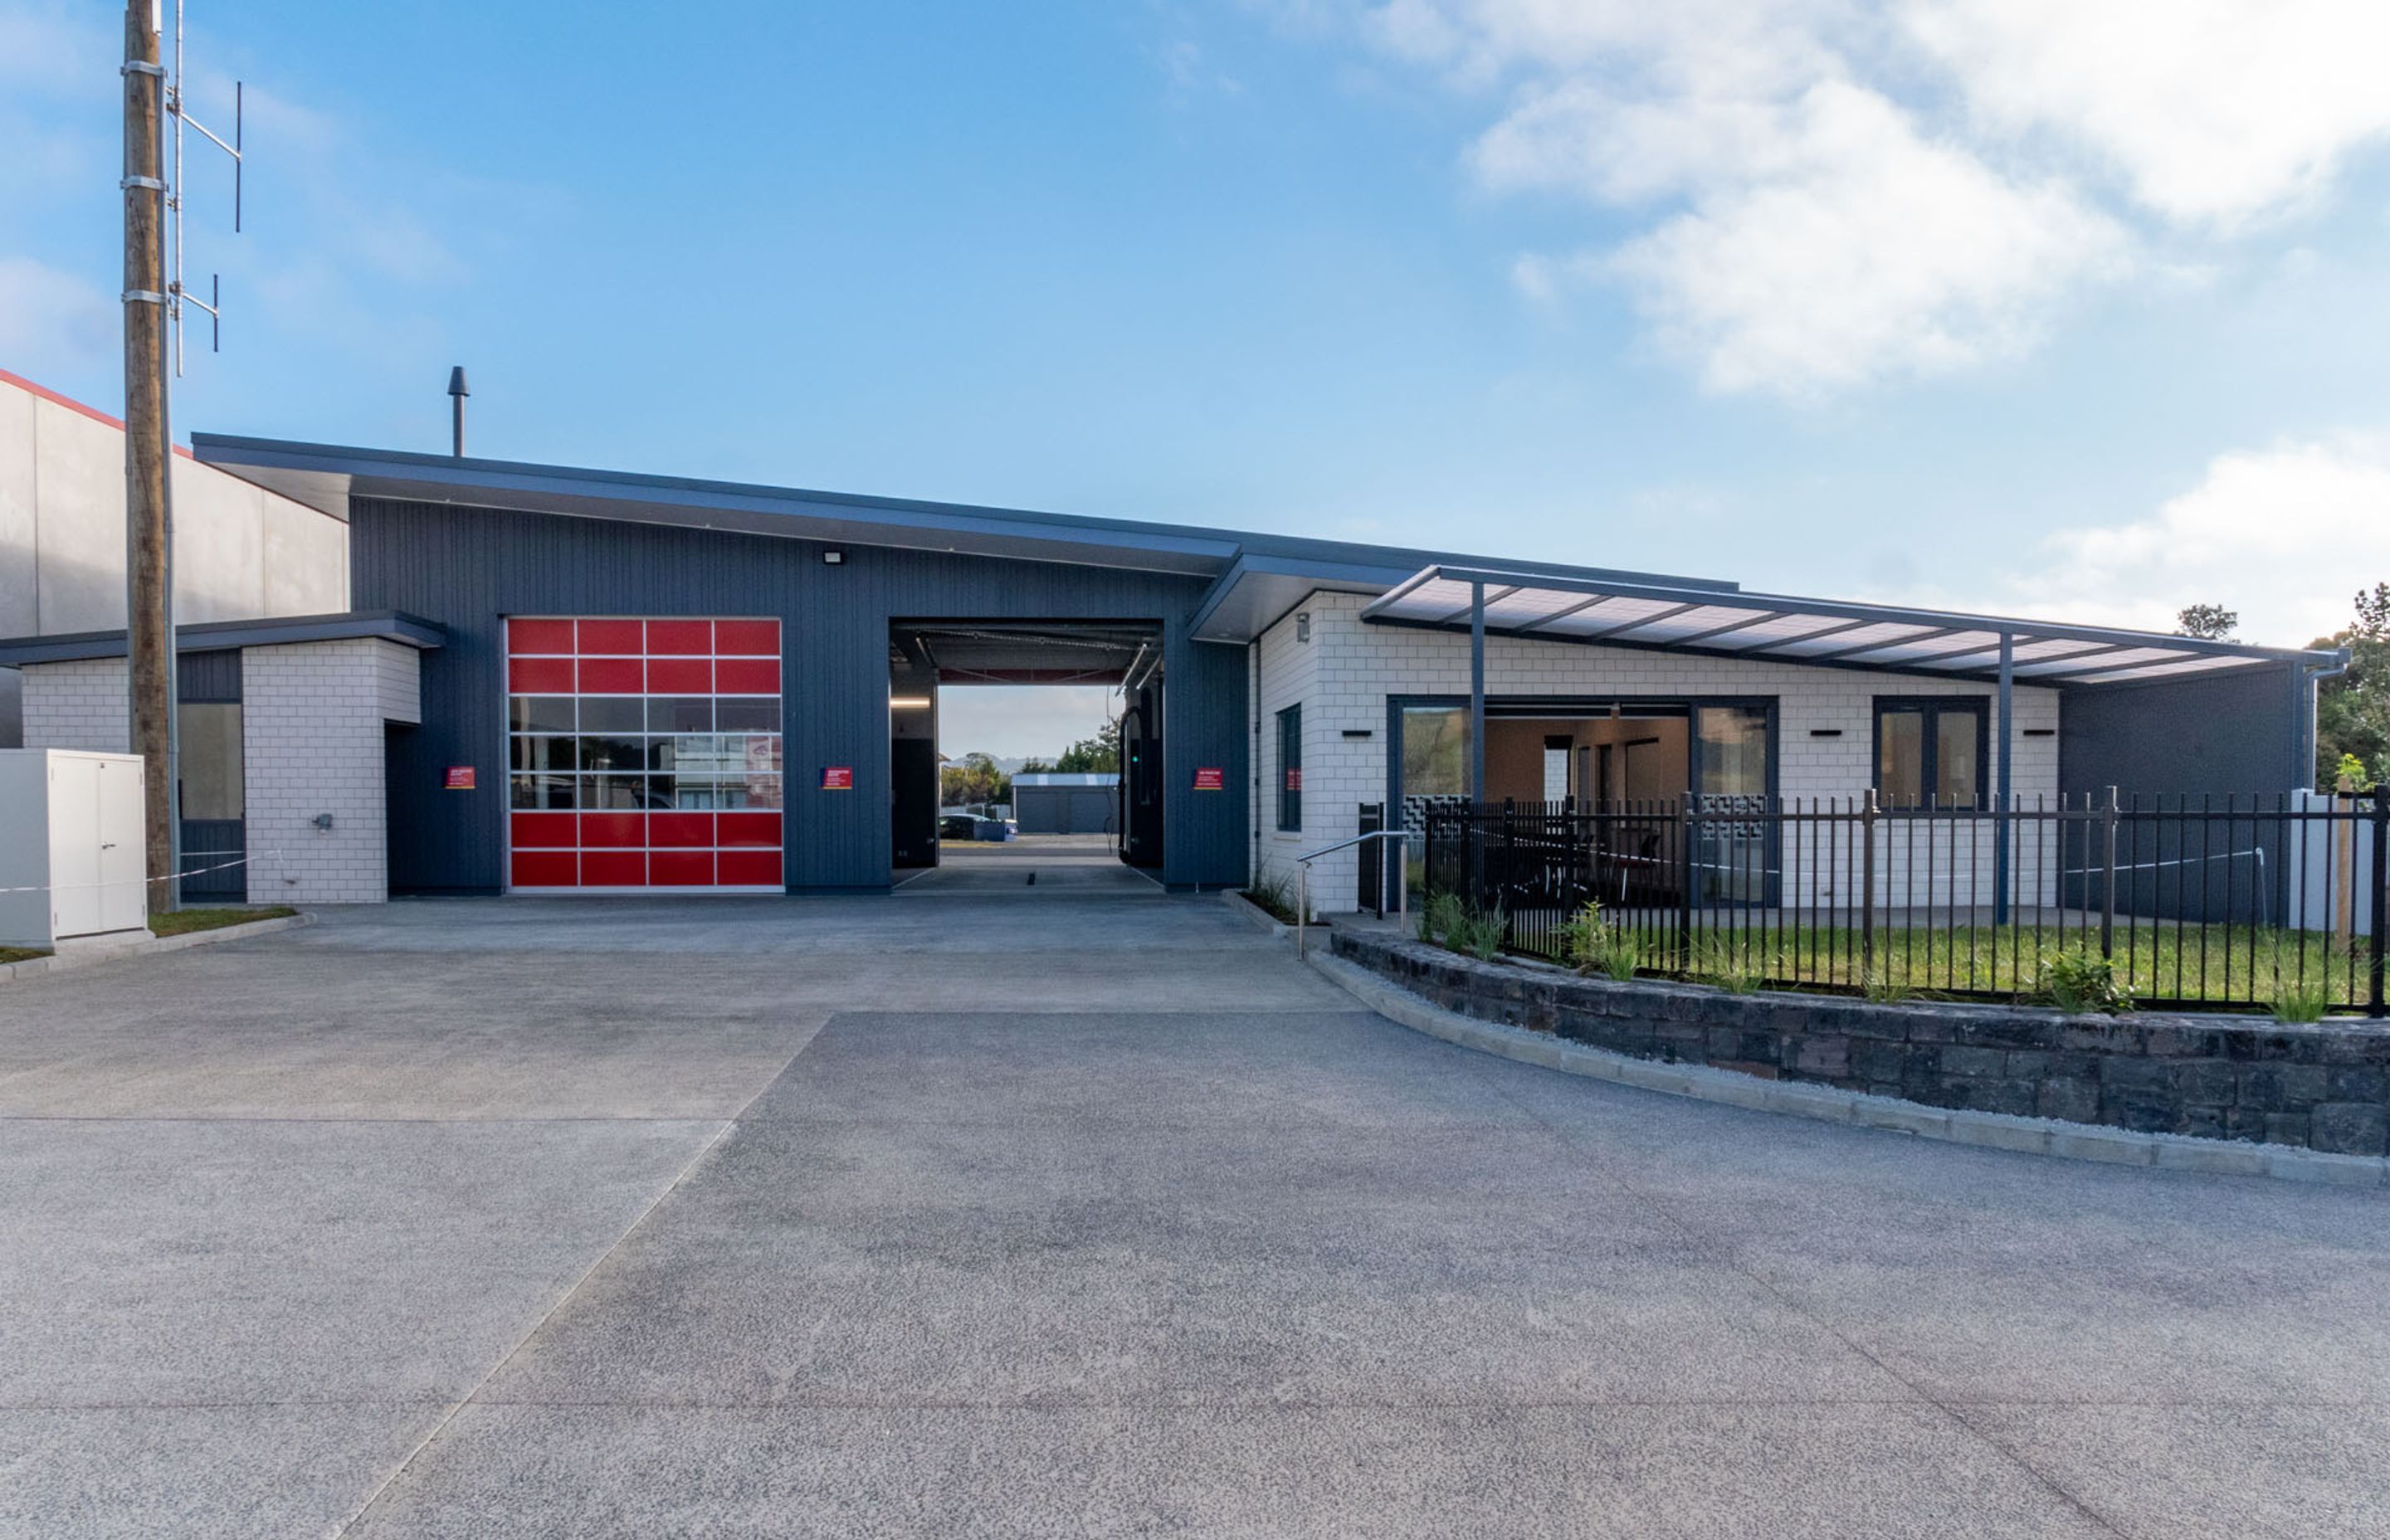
x,y
70,852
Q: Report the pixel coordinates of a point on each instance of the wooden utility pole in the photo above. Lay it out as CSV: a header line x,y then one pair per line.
x,y
147,451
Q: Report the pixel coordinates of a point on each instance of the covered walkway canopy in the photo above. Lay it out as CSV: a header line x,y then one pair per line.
x,y
1827,633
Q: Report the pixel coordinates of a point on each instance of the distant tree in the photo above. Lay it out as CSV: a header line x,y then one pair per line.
x,y
2353,708
1033,767
1099,754
2211,621
974,778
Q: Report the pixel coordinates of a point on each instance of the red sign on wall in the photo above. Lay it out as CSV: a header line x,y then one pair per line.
x,y
459,778
1294,780
838,777
1211,778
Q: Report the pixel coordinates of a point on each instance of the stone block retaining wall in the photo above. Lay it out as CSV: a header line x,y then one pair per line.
x,y
2324,1087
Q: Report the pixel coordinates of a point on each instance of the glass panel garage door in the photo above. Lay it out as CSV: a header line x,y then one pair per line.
x,y
643,754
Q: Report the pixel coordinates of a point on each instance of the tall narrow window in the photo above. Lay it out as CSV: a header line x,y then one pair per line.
x,y
1290,767
1929,751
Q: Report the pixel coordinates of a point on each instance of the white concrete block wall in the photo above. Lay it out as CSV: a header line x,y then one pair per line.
x,y
78,705
1343,676
312,742
1287,673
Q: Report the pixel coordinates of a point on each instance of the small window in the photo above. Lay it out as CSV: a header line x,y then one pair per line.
x,y
1289,763
210,732
1930,753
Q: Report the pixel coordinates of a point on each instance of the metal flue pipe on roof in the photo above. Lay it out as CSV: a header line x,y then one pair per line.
x,y
456,394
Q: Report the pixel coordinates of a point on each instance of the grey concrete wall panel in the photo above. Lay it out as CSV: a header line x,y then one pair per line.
x,y
465,569
240,550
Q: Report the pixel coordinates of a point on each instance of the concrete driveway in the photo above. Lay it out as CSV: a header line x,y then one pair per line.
x,y
983,1212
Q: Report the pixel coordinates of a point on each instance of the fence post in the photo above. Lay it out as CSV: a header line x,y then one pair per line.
x,y
1685,830
1866,889
2108,879
2375,1005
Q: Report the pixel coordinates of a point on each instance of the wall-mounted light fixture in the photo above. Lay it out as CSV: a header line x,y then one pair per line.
x,y
1825,732
909,702
831,558
1303,627
1357,732
324,821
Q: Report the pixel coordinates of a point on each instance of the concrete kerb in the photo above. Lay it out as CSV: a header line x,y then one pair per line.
x,y
1826,1103
60,961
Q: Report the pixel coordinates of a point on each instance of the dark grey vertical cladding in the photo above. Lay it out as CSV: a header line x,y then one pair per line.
x,y
465,569
2230,741
2228,734
208,675
1204,839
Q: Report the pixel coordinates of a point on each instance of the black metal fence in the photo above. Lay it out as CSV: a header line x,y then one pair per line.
x,y
2216,903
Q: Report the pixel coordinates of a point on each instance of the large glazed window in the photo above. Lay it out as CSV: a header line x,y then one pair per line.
x,y
1929,752
643,753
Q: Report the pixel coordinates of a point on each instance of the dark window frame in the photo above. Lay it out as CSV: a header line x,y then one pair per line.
x,y
1290,769
1931,707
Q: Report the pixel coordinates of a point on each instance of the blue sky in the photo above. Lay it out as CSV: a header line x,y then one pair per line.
x,y
2007,303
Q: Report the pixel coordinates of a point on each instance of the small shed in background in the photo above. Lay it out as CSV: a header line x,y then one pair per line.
x,y
1056,801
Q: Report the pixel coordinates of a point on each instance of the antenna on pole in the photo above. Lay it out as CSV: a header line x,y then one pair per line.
x,y
176,294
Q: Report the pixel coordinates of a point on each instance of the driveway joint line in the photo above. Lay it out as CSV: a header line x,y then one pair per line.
x,y
729,1125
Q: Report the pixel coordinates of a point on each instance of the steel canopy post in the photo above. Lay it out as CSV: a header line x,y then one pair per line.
x,y
1477,692
2003,783
1476,737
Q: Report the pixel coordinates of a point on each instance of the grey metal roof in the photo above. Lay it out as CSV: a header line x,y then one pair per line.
x,y
224,635
1819,632
1034,778
1257,576
1253,571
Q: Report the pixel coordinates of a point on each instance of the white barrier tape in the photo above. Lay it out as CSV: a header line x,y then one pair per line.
x,y
2257,851
135,881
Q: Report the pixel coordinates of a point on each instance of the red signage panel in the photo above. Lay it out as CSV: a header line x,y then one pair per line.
x,y
1211,778
459,778
838,777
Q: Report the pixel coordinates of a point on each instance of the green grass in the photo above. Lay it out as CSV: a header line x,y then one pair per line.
x,y
182,922
2253,967
19,954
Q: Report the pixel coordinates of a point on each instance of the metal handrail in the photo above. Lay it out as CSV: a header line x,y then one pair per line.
x,y
1303,882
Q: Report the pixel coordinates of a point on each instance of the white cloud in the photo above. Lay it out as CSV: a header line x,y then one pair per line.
x,y
2284,535
54,324
1867,253
1825,194
2212,111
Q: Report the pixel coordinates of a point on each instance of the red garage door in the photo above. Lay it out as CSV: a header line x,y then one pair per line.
x,y
645,754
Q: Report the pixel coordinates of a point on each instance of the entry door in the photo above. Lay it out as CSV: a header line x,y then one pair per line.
x,y
75,869
123,901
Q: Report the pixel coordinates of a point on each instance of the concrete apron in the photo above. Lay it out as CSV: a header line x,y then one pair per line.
x,y
1992,1130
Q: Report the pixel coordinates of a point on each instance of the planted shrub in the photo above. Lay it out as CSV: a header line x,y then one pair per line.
x,y
2079,981
1274,897
2300,995
1731,964
1440,912
1886,987
1478,933
1591,944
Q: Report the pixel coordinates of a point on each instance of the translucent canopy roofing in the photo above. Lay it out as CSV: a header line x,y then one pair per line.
x,y
1784,629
